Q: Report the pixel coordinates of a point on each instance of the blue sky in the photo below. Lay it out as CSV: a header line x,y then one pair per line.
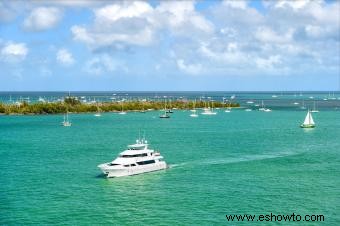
x,y
169,45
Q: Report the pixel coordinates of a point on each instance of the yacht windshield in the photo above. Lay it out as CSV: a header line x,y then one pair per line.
x,y
133,156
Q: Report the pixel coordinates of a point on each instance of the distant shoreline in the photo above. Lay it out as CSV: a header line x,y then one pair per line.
x,y
73,105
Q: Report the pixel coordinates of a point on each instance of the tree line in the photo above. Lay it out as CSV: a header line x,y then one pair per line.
x,y
71,104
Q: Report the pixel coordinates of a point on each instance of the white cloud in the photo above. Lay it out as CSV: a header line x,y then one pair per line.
x,y
64,57
295,5
229,36
192,69
267,35
269,63
14,52
70,3
42,18
103,64
137,23
7,11
240,4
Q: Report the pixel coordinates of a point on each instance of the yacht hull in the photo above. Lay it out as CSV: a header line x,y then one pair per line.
x,y
129,171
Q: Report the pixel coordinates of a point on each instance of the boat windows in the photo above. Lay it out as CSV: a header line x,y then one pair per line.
x,y
133,156
113,164
146,162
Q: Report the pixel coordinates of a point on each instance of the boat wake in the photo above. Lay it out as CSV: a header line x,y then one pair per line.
x,y
232,160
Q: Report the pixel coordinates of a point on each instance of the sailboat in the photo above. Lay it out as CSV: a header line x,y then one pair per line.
x,y
314,109
194,114
66,122
309,122
170,109
122,112
98,112
143,110
209,111
262,108
165,114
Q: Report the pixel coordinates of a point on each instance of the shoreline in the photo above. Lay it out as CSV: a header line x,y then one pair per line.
x,y
74,106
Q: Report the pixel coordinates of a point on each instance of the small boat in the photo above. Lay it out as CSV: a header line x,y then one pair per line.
x,y
122,112
194,114
66,122
248,109
309,122
98,112
137,159
209,111
314,109
262,108
169,110
165,114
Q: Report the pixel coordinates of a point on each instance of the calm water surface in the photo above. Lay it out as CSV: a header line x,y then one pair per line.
x,y
232,163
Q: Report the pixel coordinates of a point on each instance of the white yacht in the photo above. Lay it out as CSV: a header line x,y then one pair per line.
x,y
137,159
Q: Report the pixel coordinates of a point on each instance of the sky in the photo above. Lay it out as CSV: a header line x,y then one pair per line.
x,y
94,45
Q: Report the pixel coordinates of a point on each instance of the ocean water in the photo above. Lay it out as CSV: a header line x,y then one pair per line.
x,y
232,163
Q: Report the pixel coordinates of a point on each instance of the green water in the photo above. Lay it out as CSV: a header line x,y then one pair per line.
x,y
231,163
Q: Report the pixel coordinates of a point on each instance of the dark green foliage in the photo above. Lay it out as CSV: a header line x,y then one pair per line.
x,y
71,101
73,105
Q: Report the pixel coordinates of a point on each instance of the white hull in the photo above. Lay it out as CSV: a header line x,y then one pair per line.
x,y
113,171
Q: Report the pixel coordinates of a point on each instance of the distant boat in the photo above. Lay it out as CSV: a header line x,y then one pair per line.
x,y
122,112
309,122
170,110
262,108
209,111
314,109
98,112
165,114
248,109
194,114
143,110
66,122
274,96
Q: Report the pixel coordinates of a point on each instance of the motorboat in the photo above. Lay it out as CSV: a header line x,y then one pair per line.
x,y
136,159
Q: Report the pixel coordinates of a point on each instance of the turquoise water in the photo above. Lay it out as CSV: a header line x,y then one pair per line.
x,y
232,163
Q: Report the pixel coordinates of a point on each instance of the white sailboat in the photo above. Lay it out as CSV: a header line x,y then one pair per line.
x,y
262,108
194,114
165,114
122,112
209,111
66,122
98,112
314,109
309,122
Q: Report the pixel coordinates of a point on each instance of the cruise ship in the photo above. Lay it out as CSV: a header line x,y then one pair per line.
x,y
137,159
